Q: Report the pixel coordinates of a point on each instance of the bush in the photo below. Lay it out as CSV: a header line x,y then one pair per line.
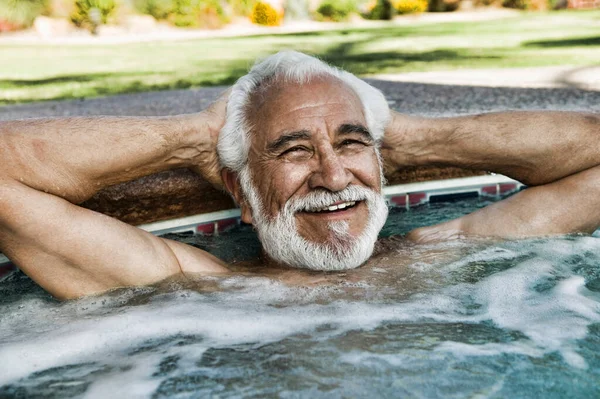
x,y
21,13
91,13
518,4
558,4
410,6
199,14
159,9
185,13
382,10
242,7
264,14
335,10
527,4
486,3
443,5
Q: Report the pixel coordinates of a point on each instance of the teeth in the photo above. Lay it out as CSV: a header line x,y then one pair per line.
x,y
334,207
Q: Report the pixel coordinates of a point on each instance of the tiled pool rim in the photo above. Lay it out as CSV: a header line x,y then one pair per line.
x,y
401,195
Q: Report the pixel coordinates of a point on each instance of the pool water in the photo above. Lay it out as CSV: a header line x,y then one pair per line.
x,y
518,319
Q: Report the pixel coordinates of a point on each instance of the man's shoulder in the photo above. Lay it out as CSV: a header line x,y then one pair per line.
x,y
193,260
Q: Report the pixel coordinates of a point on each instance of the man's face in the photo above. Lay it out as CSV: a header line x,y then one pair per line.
x,y
312,140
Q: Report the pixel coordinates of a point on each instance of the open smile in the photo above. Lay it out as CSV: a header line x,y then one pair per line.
x,y
315,221
335,207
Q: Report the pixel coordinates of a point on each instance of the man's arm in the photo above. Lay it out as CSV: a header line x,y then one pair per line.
x,y
49,165
554,151
534,147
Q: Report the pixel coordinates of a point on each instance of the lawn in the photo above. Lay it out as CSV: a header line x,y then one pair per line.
x,y
43,72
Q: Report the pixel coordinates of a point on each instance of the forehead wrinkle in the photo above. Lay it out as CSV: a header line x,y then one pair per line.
x,y
273,86
264,101
317,106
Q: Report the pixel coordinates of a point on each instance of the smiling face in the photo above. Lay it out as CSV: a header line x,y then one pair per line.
x,y
314,164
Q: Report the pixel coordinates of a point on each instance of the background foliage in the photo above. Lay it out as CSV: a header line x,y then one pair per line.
x,y
264,14
44,72
159,9
382,10
185,13
444,5
16,14
336,10
90,13
242,7
21,13
410,6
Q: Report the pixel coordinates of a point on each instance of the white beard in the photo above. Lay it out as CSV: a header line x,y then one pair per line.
x,y
282,242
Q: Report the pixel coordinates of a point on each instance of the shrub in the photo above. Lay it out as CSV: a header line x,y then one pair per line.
x,y
558,4
264,14
538,5
518,4
199,14
335,10
526,4
382,10
443,5
91,13
21,13
159,9
242,7
410,6
185,13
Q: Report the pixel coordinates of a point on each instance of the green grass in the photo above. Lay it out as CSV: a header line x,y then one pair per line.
x,y
44,72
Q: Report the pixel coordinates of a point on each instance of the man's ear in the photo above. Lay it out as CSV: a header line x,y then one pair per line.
x,y
232,184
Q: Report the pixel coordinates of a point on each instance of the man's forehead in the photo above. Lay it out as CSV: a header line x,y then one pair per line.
x,y
317,87
289,107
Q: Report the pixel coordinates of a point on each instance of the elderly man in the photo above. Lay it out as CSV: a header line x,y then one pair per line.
x,y
300,146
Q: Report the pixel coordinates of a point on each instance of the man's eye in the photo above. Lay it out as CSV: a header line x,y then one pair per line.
x,y
293,150
352,142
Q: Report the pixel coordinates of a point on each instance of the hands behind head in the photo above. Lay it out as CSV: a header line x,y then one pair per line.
x,y
210,121
405,142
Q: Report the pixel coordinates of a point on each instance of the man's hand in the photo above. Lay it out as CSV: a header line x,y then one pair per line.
x,y
209,123
408,141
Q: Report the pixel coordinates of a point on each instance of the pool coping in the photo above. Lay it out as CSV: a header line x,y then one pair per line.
x,y
401,195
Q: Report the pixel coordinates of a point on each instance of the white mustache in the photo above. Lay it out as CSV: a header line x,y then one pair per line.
x,y
323,198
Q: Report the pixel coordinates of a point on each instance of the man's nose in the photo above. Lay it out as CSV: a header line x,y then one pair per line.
x,y
330,174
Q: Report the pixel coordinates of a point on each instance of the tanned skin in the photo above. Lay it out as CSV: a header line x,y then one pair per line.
x,y
557,153
49,165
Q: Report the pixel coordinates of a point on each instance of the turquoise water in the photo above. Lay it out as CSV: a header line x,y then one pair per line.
x,y
452,320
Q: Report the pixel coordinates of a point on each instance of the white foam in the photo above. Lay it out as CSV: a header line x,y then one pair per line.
x,y
132,383
36,335
554,319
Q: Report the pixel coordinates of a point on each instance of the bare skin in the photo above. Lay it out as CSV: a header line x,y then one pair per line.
x,y
555,152
50,165
324,147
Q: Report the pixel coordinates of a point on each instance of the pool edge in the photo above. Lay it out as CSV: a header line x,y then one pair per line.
x,y
401,195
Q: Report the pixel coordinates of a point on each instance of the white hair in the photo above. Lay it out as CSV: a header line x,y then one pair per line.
x,y
292,67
